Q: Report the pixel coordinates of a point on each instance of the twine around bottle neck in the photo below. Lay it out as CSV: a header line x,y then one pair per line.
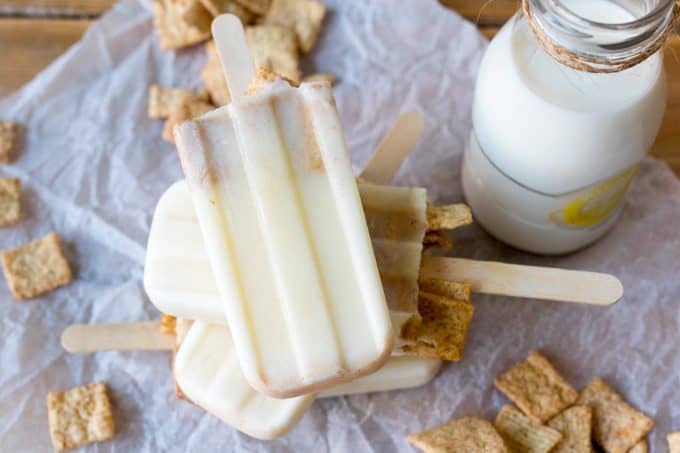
x,y
588,64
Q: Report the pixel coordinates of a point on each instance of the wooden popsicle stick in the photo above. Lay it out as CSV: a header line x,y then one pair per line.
x,y
393,148
547,283
232,48
122,337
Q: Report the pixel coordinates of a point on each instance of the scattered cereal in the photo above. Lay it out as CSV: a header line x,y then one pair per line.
x,y
217,7
187,109
256,6
274,48
302,16
536,388
8,132
575,424
80,416
213,77
440,329
448,217
523,435
617,426
468,434
163,101
36,267
10,201
181,23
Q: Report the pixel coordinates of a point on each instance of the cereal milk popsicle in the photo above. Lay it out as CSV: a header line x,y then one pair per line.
x,y
286,236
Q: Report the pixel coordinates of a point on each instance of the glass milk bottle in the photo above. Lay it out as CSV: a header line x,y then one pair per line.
x,y
570,96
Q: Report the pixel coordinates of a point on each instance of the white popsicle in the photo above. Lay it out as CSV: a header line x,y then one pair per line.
x,y
209,375
281,218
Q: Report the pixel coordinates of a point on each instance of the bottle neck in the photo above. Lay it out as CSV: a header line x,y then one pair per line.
x,y
600,35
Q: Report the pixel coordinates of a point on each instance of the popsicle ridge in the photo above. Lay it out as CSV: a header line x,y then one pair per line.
x,y
209,175
318,99
268,155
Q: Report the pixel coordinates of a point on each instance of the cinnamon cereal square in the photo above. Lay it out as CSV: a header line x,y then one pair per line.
x,y
537,389
8,132
304,17
617,426
80,416
10,201
36,268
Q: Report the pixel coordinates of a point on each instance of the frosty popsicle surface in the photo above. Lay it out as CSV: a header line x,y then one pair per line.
x,y
209,375
208,372
281,218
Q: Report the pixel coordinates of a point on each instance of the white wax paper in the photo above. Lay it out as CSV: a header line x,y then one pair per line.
x,y
93,166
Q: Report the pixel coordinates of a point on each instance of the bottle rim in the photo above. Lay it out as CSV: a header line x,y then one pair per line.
x,y
603,44
660,13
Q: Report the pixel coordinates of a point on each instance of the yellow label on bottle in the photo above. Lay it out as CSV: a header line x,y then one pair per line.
x,y
596,204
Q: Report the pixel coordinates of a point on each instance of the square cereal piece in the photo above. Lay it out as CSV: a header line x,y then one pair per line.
x,y
438,239
217,7
440,329
257,6
180,23
448,217
640,447
302,16
8,131
523,435
36,267
617,426
673,440
575,424
468,434
536,388
10,201
163,101
213,77
188,109
446,288
274,48
80,416
168,324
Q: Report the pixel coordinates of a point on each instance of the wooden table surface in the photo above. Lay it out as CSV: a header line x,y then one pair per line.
x,y
35,32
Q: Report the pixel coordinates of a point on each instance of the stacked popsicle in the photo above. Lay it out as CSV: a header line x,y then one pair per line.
x,y
270,235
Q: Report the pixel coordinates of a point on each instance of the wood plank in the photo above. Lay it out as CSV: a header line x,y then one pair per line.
x,y
31,44
484,12
55,7
667,146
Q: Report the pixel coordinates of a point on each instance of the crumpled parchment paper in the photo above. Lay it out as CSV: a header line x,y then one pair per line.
x,y
93,166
